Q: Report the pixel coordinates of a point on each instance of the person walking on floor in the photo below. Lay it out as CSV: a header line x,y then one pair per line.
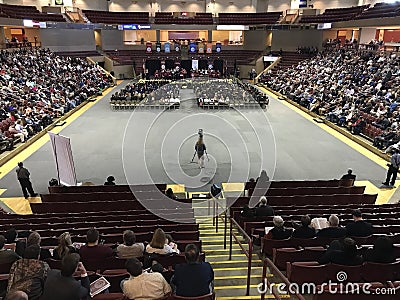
x,y
393,168
23,178
200,148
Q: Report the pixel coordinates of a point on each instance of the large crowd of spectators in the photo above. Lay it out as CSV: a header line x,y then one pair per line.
x,y
31,274
350,88
37,86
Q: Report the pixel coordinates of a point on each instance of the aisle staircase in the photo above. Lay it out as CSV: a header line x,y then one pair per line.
x,y
230,275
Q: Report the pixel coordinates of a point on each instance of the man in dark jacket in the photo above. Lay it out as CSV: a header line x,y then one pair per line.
x,y
61,285
333,231
304,231
263,210
359,227
23,178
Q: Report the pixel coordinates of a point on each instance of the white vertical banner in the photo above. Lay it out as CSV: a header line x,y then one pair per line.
x,y
195,64
63,157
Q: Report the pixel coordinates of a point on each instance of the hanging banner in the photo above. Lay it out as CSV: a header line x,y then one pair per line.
x,y
177,47
209,48
148,47
218,47
167,47
158,47
201,48
303,4
192,47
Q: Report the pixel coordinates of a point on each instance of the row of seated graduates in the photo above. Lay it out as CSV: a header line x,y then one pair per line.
x,y
258,95
298,255
110,217
138,90
171,74
221,92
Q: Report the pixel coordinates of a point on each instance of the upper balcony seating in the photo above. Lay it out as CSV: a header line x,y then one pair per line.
x,y
335,15
249,18
96,16
381,10
198,19
28,12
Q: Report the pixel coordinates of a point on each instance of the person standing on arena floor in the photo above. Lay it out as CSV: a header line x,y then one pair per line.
x,y
393,168
23,178
200,148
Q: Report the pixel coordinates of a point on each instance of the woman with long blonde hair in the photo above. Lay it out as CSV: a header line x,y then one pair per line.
x,y
64,246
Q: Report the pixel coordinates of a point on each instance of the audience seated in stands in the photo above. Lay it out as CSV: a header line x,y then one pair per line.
x,y
110,180
61,284
158,244
194,278
347,87
28,274
333,231
349,175
42,88
130,248
342,253
7,255
304,231
35,239
263,210
382,252
170,194
64,246
359,227
279,232
92,252
142,284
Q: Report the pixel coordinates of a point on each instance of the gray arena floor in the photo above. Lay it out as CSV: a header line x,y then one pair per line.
x,y
153,146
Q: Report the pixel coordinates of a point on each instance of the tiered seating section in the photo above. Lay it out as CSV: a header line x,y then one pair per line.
x,y
297,257
335,15
381,10
28,12
249,18
96,16
198,19
111,210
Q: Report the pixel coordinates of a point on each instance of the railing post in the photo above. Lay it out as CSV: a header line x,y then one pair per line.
x,y
230,241
249,267
225,229
216,215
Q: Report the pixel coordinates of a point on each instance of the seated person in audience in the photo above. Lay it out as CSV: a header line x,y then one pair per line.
x,y
359,227
61,285
11,236
28,274
194,278
333,231
92,251
158,244
110,180
143,285
130,248
263,210
349,175
7,256
304,231
17,295
170,241
64,246
170,194
247,211
279,232
34,239
342,253
382,252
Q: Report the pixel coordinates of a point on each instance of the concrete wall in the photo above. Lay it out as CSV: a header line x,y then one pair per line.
x,y
290,40
112,39
254,40
68,39
367,35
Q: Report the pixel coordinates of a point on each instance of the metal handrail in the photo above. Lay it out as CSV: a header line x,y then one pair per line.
x,y
267,263
270,67
248,253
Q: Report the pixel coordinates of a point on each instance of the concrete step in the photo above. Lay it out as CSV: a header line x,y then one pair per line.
x,y
233,271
